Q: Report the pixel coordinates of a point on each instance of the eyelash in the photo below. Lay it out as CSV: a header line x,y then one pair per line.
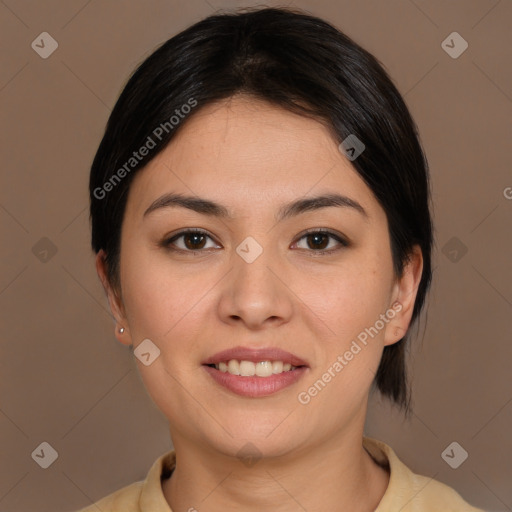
x,y
166,243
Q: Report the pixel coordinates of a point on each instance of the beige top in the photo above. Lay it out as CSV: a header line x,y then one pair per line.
x,y
406,492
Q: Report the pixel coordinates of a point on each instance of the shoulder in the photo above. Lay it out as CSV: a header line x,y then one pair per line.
x,y
411,492
431,494
122,500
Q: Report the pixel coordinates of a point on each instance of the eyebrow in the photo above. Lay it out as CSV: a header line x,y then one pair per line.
x,y
210,208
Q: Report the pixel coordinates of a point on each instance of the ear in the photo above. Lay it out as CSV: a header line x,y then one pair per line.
x,y
403,297
114,300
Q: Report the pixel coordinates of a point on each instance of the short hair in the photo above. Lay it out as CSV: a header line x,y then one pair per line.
x,y
295,61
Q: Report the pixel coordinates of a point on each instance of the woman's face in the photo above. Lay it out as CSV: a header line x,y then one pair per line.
x,y
257,281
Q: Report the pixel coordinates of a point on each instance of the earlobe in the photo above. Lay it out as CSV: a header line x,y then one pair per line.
x,y
117,310
397,326
123,336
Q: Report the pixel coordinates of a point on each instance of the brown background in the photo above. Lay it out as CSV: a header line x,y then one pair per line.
x,y
66,380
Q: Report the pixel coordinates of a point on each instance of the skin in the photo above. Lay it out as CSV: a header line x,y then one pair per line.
x,y
253,157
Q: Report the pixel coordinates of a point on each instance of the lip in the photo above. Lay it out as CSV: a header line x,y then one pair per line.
x,y
255,355
255,387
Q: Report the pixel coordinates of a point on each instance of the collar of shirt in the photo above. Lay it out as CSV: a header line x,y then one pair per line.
x,y
406,490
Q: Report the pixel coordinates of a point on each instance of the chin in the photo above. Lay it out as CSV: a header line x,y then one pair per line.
x,y
249,448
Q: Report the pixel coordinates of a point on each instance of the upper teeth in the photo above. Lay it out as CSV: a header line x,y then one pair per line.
x,y
249,369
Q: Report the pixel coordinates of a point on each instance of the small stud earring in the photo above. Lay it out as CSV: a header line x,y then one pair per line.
x,y
121,330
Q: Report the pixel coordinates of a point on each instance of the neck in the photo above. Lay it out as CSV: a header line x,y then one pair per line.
x,y
337,475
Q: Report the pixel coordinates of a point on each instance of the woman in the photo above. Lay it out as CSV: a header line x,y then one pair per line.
x,y
260,214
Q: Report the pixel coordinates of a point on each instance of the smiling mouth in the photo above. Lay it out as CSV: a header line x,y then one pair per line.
x,y
244,368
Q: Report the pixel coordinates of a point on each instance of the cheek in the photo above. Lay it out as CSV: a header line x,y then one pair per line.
x,y
346,300
167,305
161,309
349,304
154,299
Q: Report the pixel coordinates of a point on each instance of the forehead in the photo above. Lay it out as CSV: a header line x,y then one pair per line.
x,y
245,128
243,152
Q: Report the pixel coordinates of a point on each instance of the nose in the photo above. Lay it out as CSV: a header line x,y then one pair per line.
x,y
255,291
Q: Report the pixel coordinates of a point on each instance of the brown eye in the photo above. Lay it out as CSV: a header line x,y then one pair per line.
x,y
318,241
193,241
